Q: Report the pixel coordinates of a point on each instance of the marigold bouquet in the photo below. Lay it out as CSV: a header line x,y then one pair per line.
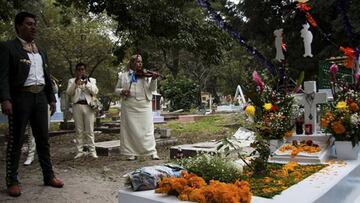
x,y
191,187
342,117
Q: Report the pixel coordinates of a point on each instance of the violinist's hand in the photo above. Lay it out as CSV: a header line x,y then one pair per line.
x,y
125,93
155,75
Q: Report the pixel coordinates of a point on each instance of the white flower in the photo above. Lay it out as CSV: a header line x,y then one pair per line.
x,y
354,119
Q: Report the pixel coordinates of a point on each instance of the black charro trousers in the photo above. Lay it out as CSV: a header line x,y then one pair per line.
x,y
27,107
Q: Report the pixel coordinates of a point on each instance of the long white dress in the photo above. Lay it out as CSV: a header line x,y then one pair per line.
x,y
137,127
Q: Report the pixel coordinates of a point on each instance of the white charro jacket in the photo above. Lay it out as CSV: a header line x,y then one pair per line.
x,y
90,89
149,85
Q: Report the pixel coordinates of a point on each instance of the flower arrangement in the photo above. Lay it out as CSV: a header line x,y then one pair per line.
x,y
190,187
272,110
342,117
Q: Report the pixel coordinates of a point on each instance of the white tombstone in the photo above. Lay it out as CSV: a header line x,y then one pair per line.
x,y
278,44
239,95
308,37
309,99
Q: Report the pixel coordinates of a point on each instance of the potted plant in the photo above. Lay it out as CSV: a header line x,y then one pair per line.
x,y
342,117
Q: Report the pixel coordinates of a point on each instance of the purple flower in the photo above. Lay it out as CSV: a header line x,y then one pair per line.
x,y
357,79
333,69
256,77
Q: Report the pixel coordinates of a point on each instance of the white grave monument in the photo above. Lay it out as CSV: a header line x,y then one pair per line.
x,y
157,117
309,99
239,95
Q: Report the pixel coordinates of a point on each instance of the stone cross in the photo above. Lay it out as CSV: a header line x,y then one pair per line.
x,y
309,99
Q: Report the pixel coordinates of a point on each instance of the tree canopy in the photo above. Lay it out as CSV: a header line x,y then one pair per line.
x,y
177,38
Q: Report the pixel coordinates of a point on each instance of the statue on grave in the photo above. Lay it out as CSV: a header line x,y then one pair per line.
x,y
308,37
278,44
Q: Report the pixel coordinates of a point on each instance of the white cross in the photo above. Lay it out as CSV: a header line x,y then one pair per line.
x,y
309,99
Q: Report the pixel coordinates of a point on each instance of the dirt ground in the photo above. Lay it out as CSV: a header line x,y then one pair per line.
x,y
86,179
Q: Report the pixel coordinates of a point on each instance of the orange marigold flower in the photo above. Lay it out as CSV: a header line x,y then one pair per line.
x,y
338,127
195,189
324,123
354,106
267,180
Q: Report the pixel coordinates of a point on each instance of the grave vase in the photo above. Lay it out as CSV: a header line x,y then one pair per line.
x,y
275,144
345,150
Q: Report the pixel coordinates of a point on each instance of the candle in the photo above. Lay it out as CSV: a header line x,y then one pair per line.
x,y
308,129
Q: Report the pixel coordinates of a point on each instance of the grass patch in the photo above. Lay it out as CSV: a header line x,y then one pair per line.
x,y
3,128
54,126
113,110
280,178
211,124
208,128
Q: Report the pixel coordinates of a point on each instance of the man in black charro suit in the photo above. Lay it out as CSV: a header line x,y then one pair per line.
x,y
25,93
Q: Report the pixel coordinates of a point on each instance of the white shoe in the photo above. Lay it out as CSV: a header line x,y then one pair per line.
x,y
28,161
93,155
79,155
155,157
131,158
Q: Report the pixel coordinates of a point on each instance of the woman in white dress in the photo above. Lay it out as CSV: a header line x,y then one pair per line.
x,y
137,126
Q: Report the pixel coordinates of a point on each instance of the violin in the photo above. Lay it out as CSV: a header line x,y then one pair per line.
x,y
147,73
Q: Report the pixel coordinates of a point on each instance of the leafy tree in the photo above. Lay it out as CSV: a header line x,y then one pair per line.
x,y
173,36
181,92
71,36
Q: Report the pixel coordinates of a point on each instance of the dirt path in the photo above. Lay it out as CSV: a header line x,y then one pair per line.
x,y
86,179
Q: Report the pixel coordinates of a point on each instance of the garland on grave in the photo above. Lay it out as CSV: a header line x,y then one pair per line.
x,y
350,53
302,6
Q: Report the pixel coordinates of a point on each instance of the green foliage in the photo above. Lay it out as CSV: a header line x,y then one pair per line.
x,y
259,164
182,93
212,168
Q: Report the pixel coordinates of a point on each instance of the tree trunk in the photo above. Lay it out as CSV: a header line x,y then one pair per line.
x,y
175,63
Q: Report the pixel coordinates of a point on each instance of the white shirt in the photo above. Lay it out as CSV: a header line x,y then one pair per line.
x,y
36,73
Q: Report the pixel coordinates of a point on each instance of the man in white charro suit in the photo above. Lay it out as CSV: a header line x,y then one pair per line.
x,y
81,90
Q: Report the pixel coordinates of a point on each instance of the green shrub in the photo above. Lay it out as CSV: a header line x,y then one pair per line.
x,y
182,93
212,167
